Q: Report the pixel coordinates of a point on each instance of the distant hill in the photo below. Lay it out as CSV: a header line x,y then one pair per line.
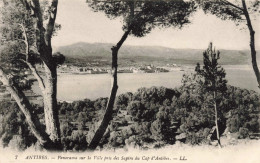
x,y
133,54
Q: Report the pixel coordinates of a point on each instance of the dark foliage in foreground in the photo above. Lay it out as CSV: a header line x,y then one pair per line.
x,y
151,117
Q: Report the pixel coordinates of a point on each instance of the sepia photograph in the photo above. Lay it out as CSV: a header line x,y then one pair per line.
x,y
130,81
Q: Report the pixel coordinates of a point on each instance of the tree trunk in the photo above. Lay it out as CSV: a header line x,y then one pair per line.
x,y
27,110
252,42
109,109
51,138
44,37
50,105
216,118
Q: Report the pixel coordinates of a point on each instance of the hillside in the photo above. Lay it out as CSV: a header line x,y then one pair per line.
x,y
100,52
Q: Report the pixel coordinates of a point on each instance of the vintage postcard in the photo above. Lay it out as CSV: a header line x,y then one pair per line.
x,y
129,81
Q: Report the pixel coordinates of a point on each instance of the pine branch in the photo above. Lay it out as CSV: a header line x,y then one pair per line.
x,y
36,75
25,107
25,40
51,22
231,4
34,5
32,68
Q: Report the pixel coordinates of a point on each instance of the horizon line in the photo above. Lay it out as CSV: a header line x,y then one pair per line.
x,y
54,46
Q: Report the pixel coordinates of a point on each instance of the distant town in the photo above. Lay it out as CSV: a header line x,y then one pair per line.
x,y
73,69
102,70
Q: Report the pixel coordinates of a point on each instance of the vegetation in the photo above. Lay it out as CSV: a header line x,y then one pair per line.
x,y
139,18
240,12
149,118
29,26
213,82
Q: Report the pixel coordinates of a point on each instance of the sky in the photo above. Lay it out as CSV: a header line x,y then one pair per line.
x,y
80,24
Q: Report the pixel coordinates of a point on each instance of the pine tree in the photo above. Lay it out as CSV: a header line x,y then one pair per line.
x,y
214,82
139,18
27,28
241,12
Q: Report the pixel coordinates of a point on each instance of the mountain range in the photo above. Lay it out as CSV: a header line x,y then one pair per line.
x,y
84,52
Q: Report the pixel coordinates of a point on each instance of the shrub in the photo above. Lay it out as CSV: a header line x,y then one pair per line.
x,y
243,133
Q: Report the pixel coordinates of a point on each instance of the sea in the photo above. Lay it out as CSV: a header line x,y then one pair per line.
x,y
73,87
